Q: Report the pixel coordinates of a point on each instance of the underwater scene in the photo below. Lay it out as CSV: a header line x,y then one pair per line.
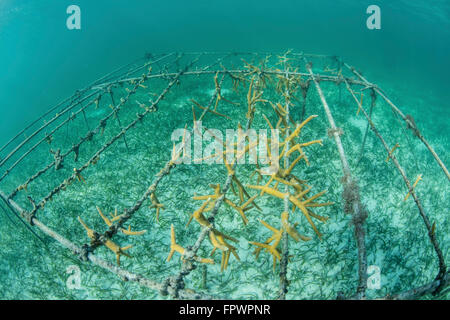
x,y
224,150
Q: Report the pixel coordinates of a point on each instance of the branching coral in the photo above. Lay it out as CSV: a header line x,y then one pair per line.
x,y
106,241
297,189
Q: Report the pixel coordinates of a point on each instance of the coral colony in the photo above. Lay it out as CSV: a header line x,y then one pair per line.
x,y
269,95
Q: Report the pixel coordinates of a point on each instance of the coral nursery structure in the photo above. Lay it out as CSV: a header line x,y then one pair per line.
x,y
100,174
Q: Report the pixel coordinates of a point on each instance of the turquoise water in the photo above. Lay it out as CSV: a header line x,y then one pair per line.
x,y
42,62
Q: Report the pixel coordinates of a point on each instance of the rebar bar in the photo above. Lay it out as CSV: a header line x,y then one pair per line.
x,y
359,214
284,282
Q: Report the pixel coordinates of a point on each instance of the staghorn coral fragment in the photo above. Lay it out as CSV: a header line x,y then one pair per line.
x,y
217,193
392,151
419,177
218,240
215,242
119,251
116,217
129,232
229,168
23,187
283,173
270,249
199,217
106,219
239,209
174,247
209,110
173,244
93,235
156,204
253,96
270,191
78,175
360,102
290,229
219,93
305,211
229,157
176,154
299,127
298,147
90,233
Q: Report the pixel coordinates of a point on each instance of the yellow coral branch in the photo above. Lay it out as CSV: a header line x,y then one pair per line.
x,y
419,177
392,150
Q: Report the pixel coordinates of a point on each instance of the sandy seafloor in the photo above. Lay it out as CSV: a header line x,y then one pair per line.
x,y
396,239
